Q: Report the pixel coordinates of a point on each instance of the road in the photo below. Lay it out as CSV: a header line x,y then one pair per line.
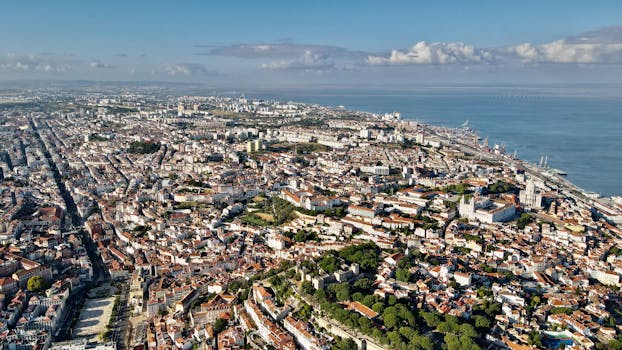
x,y
120,330
100,273
99,269
71,309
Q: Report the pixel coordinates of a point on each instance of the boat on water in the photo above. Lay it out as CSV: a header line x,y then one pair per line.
x,y
544,163
558,172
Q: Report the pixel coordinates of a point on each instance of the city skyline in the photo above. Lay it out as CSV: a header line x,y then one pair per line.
x,y
276,44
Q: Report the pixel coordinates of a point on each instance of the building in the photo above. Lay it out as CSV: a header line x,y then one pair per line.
x,y
213,309
22,276
269,331
254,146
463,279
302,335
7,285
376,170
609,278
485,210
530,197
362,211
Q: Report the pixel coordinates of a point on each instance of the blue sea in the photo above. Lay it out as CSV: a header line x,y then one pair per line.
x,y
579,128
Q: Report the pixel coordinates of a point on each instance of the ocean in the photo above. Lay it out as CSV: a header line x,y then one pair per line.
x,y
579,128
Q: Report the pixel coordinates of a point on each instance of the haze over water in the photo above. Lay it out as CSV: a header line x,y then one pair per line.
x,y
578,128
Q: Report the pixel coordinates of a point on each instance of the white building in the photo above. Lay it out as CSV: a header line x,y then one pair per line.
x,y
530,197
486,210
605,277
302,336
463,279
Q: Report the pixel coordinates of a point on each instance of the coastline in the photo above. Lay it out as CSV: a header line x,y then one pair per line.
x,y
571,127
561,184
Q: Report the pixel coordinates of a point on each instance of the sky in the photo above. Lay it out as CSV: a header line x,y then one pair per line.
x,y
294,43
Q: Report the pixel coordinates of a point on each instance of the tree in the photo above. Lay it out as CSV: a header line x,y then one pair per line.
x,y
535,338
500,187
342,291
523,220
460,343
448,326
484,292
143,147
220,325
431,319
468,330
328,264
306,287
389,318
406,315
368,300
402,275
481,322
365,254
378,307
357,297
36,283
320,295
305,311
407,332
365,324
452,341
424,342
363,284
394,337
377,333
561,310
300,236
345,344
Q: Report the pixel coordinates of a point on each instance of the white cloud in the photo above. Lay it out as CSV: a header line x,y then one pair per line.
x,y
309,61
32,63
188,69
99,65
568,51
596,47
281,50
434,53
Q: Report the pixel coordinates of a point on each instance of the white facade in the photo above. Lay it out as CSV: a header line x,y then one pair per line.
x,y
486,210
529,197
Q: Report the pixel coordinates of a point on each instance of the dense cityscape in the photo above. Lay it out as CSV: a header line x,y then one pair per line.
x,y
142,220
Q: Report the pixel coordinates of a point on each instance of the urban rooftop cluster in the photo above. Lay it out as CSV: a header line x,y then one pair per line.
x,y
135,220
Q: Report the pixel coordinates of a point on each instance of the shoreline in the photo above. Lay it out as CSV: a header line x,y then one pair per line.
x,y
534,167
564,185
554,121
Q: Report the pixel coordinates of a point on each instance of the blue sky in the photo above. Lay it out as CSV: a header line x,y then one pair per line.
x,y
282,43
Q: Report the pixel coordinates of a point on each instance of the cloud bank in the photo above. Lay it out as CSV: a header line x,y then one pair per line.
x,y
280,50
188,70
578,57
433,53
597,47
13,62
309,61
